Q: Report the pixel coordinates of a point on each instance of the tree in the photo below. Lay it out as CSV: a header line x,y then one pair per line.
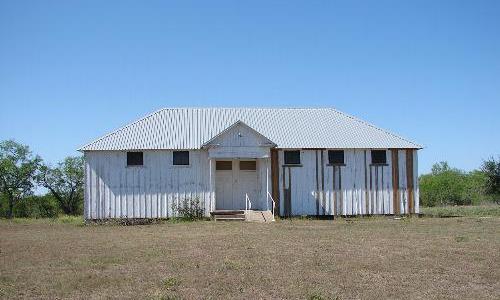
x,y
474,191
443,186
491,168
442,167
18,169
65,182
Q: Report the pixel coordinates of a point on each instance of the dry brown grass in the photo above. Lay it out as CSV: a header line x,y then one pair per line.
x,y
425,258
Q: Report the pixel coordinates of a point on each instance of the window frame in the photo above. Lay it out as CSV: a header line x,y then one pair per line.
x,y
336,163
247,170
285,163
134,165
188,158
221,161
378,163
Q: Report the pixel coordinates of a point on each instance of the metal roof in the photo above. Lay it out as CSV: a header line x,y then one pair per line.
x,y
190,128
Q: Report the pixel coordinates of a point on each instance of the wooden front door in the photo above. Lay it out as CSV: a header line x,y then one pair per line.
x,y
233,180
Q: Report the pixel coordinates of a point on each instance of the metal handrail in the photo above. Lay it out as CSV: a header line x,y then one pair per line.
x,y
248,203
274,203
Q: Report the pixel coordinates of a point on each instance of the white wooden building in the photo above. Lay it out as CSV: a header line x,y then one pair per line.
x,y
316,161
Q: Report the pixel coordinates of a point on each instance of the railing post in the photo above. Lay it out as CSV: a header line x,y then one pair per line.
x,y
274,203
248,203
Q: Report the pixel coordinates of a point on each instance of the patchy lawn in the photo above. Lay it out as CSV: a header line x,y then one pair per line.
x,y
426,258
491,210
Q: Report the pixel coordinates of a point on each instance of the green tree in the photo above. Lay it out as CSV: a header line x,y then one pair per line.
x,y
37,206
445,185
474,192
491,169
18,169
65,182
450,186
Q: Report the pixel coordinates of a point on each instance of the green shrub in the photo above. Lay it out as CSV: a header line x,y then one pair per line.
x,y
36,207
189,209
4,206
491,169
475,190
451,186
32,207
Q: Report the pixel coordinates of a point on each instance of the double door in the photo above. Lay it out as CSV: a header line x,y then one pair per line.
x,y
233,180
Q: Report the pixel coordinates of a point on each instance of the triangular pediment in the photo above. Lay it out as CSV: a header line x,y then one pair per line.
x,y
239,135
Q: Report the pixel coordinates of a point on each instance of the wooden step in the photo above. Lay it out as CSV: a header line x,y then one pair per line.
x,y
228,215
227,212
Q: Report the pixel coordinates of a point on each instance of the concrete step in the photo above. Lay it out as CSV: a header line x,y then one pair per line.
x,y
259,216
268,216
242,215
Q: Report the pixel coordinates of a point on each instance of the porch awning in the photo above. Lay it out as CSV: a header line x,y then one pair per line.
x,y
239,152
239,141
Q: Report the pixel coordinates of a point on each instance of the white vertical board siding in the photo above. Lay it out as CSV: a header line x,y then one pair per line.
x,y
379,186
114,190
403,187
415,184
356,188
301,180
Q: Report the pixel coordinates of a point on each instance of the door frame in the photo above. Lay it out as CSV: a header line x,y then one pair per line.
x,y
235,177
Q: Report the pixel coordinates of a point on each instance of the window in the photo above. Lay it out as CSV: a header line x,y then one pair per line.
x,y
222,165
249,165
379,157
181,158
336,157
292,157
134,159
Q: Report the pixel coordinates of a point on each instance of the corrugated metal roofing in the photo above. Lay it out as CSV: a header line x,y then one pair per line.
x,y
189,128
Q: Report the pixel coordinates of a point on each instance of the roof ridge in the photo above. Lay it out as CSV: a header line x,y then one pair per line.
x,y
247,107
121,128
375,127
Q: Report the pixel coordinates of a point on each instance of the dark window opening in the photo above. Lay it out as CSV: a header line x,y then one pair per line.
x,y
181,158
292,157
223,165
135,159
250,165
336,157
379,157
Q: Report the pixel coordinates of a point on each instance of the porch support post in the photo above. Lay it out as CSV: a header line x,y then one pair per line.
x,y
267,183
212,183
275,179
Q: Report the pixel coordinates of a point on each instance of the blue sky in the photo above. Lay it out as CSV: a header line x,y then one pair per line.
x,y
71,71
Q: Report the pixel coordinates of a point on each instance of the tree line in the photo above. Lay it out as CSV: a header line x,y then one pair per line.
x,y
446,185
21,172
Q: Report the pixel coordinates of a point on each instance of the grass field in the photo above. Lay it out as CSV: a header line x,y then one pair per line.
x,y
491,210
374,258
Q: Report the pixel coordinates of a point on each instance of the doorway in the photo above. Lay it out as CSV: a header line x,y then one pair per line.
x,y
233,179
